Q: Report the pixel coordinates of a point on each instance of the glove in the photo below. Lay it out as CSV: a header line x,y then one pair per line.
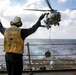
x,y
41,17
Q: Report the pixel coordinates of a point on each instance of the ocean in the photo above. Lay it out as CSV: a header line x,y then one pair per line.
x,y
59,48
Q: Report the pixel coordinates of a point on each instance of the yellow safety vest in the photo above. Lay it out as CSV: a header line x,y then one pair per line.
x,y
13,41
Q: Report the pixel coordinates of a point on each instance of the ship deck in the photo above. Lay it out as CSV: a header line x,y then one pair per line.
x,y
46,72
60,67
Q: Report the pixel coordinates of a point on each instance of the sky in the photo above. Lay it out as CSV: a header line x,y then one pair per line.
x,y
67,29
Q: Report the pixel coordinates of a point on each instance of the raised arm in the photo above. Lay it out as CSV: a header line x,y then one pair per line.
x,y
38,24
2,29
27,32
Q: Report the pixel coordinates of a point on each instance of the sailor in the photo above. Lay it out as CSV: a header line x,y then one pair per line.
x,y
14,38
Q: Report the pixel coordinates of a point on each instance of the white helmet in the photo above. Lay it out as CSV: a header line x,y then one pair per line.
x,y
16,21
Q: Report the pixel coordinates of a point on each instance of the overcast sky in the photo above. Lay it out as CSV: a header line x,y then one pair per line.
x,y
66,30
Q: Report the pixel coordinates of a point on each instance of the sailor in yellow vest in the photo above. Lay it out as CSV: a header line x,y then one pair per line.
x,y
14,44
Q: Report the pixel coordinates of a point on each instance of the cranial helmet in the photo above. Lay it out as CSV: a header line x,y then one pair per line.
x,y
16,21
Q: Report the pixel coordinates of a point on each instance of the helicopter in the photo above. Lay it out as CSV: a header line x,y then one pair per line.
x,y
53,17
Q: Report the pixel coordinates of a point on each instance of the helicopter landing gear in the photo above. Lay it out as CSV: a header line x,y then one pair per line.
x,y
58,24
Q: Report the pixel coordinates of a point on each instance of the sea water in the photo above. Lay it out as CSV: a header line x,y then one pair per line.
x,y
59,48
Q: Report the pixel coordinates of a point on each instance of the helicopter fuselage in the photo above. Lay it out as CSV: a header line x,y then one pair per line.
x,y
52,18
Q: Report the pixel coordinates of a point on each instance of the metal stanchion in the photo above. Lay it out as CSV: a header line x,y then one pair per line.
x,y
30,72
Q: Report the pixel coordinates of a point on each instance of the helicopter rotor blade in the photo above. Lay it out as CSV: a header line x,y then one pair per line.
x,y
48,3
36,10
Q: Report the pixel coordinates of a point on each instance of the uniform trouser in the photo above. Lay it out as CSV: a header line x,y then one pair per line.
x,y
14,63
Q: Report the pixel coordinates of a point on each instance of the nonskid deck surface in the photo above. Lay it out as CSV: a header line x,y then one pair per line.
x,y
49,64
49,72
52,64
58,66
